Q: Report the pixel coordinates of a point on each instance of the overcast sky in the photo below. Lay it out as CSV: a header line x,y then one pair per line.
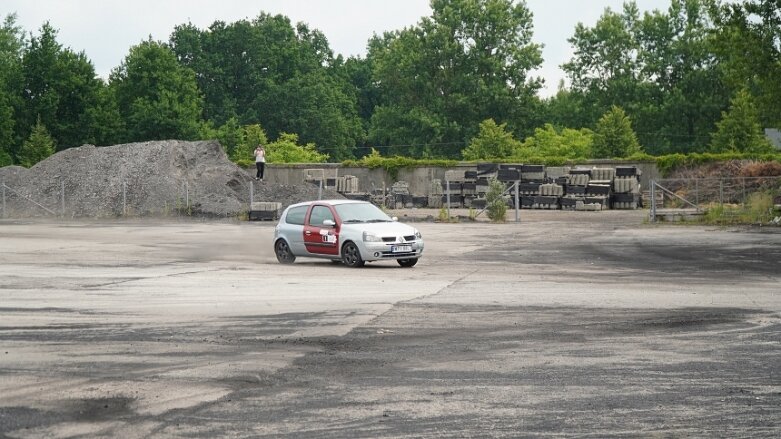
x,y
106,29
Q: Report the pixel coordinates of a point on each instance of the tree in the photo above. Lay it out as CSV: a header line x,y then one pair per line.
x,y
37,147
61,88
254,69
748,46
493,142
11,45
251,137
739,129
230,136
468,62
286,150
158,98
614,136
658,66
325,111
550,142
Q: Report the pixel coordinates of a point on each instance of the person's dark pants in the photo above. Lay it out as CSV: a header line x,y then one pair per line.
x,y
261,167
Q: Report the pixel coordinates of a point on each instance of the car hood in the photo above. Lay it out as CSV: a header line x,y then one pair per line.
x,y
381,229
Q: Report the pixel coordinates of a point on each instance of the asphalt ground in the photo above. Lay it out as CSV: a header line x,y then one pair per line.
x,y
585,324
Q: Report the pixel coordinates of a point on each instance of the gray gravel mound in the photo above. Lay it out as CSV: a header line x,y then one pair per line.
x,y
141,179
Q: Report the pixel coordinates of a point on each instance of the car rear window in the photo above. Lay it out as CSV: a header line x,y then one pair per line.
x,y
296,215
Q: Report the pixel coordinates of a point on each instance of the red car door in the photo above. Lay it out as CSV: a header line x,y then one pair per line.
x,y
321,239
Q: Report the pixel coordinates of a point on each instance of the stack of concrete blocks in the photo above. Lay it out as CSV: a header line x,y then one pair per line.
x,y
435,194
315,176
454,180
347,184
527,192
549,196
575,189
626,188
509,174
599,187
400,196
533,173
264,211
484,173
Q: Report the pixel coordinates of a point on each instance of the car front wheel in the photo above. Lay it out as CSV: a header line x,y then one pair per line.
x,y
283,252
351,256
406,263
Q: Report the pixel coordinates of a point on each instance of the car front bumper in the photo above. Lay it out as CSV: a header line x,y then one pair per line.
x,y
378,251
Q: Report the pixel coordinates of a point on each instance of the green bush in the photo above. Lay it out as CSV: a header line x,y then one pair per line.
x,y
392,165
494,201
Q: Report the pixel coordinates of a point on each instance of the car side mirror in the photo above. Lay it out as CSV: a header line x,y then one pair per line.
x,y
329,223
395,218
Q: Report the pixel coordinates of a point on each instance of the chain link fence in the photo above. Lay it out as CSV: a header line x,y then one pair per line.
x,y
121,199
721,199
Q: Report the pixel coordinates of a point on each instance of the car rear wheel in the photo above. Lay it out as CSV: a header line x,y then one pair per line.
x,y
407,262
283,252
351,256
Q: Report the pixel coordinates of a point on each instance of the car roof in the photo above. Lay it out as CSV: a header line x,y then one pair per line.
x,y
331,202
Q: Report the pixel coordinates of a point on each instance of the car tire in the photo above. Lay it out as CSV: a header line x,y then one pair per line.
x,y
351,255
407,263
283,252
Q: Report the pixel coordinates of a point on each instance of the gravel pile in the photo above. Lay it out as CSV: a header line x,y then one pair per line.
x,y
141,179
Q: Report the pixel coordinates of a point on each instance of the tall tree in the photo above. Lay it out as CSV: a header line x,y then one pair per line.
x,y
11,46
37,147
614,136
61,88
659,66
468,62
267,71
748,43
157,97
739,129
493,142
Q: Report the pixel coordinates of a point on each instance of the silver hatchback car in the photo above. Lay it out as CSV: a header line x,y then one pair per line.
x,y
353,232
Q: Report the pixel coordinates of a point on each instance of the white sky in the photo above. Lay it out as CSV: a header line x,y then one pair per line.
x,y
106,29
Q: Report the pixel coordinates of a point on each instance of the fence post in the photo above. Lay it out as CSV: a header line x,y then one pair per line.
x,y
653,201
447,190
744,191
517,201
4,211
124,198
697,192
187,194
320,190
721,191
62,197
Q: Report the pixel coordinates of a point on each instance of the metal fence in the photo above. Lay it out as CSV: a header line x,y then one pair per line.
x,y
727,196
117,199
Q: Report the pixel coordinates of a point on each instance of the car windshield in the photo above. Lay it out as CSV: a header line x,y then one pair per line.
x,y
361,213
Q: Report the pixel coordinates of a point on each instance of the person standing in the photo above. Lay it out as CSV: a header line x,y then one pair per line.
x,y
260,162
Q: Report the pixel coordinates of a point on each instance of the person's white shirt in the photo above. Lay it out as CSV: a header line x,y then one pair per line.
x,y
260,156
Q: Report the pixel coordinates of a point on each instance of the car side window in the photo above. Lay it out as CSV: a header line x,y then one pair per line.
x,y
296,215
320,214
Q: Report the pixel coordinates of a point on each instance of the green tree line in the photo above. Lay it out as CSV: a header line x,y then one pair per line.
x,y
700,76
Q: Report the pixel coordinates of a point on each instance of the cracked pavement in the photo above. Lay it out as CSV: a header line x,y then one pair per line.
x,y
567,324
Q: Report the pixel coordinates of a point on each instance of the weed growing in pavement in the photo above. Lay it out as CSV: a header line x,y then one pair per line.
x,y
495,204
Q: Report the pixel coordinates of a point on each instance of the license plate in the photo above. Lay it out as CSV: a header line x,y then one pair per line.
x,y
401,249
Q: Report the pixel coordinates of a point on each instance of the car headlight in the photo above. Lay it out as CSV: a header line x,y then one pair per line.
x,y
418,235
368,237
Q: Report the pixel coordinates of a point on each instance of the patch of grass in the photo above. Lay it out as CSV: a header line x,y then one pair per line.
x,y
757,210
